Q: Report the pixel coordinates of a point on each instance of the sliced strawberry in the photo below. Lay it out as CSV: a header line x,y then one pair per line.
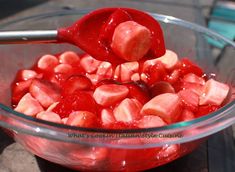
x,y
69,57
127,70
131,41
47,62
76,82
117,125
150,121
161,88
105,70
45,92
139,91
49,116
89,63
78,101
214,93
63,68
27,74
190,99
186,66
107,117
167,106
107,95
28,105
144,77
192,78
169,59
82,119
19,89
117,73
127,111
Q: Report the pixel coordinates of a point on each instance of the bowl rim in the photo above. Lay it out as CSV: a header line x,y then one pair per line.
x,y
212,117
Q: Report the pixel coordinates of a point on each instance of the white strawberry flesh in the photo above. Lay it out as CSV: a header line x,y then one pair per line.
x,y
131,41
214,93
63,68
127,111
28,74
167,106
110,94
28,105
169,59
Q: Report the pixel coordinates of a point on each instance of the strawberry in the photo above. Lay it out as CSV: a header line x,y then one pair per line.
x,y
28,105
69,57
150,121
52,106
45,92
167,106
47,62
76,82
161,88
214,93
127,111
49,116
110,94
139,91
64,120
82,119
89,63
107,117
131,41
19,89
78,101
190,99
135,77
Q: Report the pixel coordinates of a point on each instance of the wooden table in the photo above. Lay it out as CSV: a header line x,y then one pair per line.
x,y
216,155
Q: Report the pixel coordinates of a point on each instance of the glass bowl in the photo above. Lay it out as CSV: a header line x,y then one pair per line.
x,y
101,149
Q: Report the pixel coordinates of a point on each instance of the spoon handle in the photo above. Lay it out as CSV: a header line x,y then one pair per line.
x,y
30,36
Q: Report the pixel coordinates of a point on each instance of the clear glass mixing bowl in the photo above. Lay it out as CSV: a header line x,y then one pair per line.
x,y
102,149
